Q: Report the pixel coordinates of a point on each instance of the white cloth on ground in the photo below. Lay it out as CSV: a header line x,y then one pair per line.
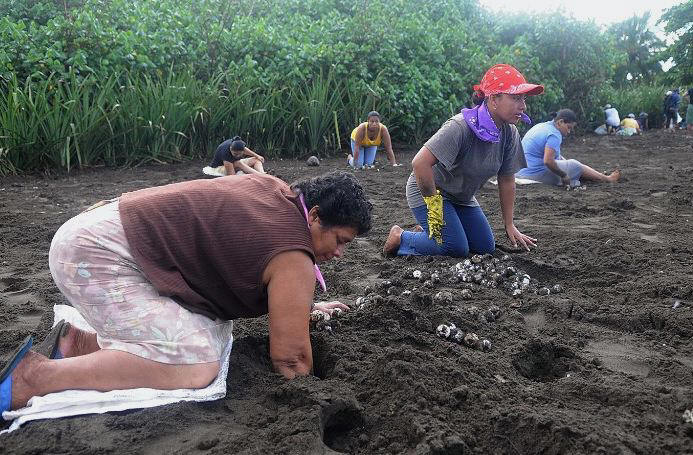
x,y
518,181
79,402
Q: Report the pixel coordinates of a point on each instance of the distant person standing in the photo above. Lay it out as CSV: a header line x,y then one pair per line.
x,y
612,119
365,140
689,111
231,157
671,109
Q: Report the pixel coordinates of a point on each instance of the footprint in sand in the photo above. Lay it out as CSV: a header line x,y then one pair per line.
x,y
622,357
23,308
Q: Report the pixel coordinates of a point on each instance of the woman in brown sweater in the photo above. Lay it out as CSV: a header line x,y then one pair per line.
x,y
159,272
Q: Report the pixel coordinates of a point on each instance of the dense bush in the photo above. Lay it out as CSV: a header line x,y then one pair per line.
x,y
124,81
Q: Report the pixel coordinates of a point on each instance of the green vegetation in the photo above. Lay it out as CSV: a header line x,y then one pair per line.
x,y
122,82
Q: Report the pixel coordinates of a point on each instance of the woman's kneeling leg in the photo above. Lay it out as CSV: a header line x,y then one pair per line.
x,y
104,370
477,229
453,234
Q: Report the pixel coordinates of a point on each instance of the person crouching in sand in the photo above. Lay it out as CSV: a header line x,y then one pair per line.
x,y
229,160
160,271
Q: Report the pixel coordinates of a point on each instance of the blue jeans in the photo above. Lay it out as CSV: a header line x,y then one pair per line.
x,y
466,230
366,155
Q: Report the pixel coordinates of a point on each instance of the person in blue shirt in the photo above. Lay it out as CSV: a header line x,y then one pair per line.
x,y
542,148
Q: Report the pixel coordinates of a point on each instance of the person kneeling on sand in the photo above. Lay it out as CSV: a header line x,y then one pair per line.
x,y
629,126
545,164
228,159
365,140
159,271
454,164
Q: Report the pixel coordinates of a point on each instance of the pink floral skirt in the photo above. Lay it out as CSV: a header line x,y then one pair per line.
x,y
91,264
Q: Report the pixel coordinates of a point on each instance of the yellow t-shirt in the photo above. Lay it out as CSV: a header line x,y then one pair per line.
x,y
630,123
366,141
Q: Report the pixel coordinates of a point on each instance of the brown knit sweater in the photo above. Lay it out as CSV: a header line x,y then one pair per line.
x,y
206,243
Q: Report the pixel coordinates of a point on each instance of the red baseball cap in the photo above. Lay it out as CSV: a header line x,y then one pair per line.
x,y
503,78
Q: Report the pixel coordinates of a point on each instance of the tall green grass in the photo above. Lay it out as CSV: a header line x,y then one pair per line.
x,y
128,120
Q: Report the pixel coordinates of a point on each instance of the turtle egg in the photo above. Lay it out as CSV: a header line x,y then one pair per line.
x,y
317,315
478,277
505,258
543,291
454,331
495,310
323,325
337,312
458,337
471,340
416,273
443,331
466,294
435,278
486,344
360,301
406,292
557,289
443,297
517,292
476,259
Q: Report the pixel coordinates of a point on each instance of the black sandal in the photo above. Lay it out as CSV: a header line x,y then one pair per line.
x,y
49,346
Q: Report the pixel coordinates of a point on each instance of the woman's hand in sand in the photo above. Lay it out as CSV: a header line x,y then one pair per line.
x,y
329,307
516,237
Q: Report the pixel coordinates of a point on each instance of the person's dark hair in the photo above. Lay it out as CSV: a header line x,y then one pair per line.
x,y
567,115
373,114
237,145
340,199
478,97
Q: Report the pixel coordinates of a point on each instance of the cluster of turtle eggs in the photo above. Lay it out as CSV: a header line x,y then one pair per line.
x,y
451,333
320,320
490,272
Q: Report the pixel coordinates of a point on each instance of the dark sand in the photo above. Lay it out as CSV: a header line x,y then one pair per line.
x,y
605,367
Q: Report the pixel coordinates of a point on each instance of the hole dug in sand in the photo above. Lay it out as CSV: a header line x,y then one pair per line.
x,y
544,361
324,359
341,421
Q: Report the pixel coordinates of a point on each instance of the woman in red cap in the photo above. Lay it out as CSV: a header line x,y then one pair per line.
x,y
453,165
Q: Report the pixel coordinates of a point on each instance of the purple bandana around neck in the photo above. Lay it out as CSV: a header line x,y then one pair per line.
x,y
480,122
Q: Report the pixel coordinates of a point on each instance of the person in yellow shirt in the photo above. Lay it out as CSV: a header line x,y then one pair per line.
x,y
630,126
365,140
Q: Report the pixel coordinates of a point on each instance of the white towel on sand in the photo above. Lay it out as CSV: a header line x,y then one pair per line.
x,y
518,181
78,402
